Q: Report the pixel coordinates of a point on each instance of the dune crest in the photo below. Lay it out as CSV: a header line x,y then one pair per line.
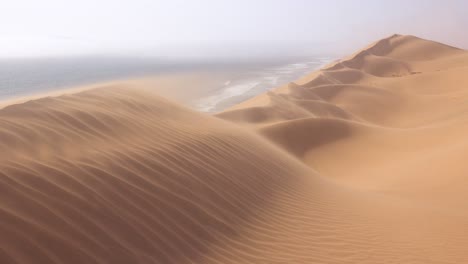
x,y
360,162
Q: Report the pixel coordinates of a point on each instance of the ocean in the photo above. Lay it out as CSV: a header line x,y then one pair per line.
x,y
24,77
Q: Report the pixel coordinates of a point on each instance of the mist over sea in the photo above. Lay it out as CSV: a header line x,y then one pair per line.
x,y
24,77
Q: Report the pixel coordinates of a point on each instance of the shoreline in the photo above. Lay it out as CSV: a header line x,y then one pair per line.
x,y
265,78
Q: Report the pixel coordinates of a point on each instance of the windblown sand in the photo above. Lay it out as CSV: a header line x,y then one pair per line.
x,y
364,161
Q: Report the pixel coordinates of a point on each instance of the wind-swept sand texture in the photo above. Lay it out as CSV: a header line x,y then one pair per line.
x,y
363,161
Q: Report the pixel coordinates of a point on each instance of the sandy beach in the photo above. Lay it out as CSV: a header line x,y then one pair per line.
x,y
362,161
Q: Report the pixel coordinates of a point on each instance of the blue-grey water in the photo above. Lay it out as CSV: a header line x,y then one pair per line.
x,y
23,77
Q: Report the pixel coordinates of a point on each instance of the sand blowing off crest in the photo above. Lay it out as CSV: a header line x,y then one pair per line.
x,y
360,162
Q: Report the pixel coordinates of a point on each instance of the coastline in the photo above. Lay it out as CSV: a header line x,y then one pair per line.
x,y
209,87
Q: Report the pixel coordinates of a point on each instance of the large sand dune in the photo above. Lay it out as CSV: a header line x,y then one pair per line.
x,y
363,161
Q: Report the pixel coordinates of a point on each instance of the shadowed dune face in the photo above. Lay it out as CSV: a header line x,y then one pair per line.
x,y
300,135
119,176
360,162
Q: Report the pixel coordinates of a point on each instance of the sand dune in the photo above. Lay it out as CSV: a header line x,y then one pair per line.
x,y
360,162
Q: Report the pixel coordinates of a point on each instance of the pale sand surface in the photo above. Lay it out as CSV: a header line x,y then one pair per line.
x,y
363,161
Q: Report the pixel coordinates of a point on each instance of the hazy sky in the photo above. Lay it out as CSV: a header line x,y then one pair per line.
x,y
220,27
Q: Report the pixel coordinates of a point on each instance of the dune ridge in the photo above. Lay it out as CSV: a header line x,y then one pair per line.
x,y
359,162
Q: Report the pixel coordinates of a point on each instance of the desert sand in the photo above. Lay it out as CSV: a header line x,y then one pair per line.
x,y
363,161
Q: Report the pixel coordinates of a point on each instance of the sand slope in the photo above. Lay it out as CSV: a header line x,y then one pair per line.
x,y
360,162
